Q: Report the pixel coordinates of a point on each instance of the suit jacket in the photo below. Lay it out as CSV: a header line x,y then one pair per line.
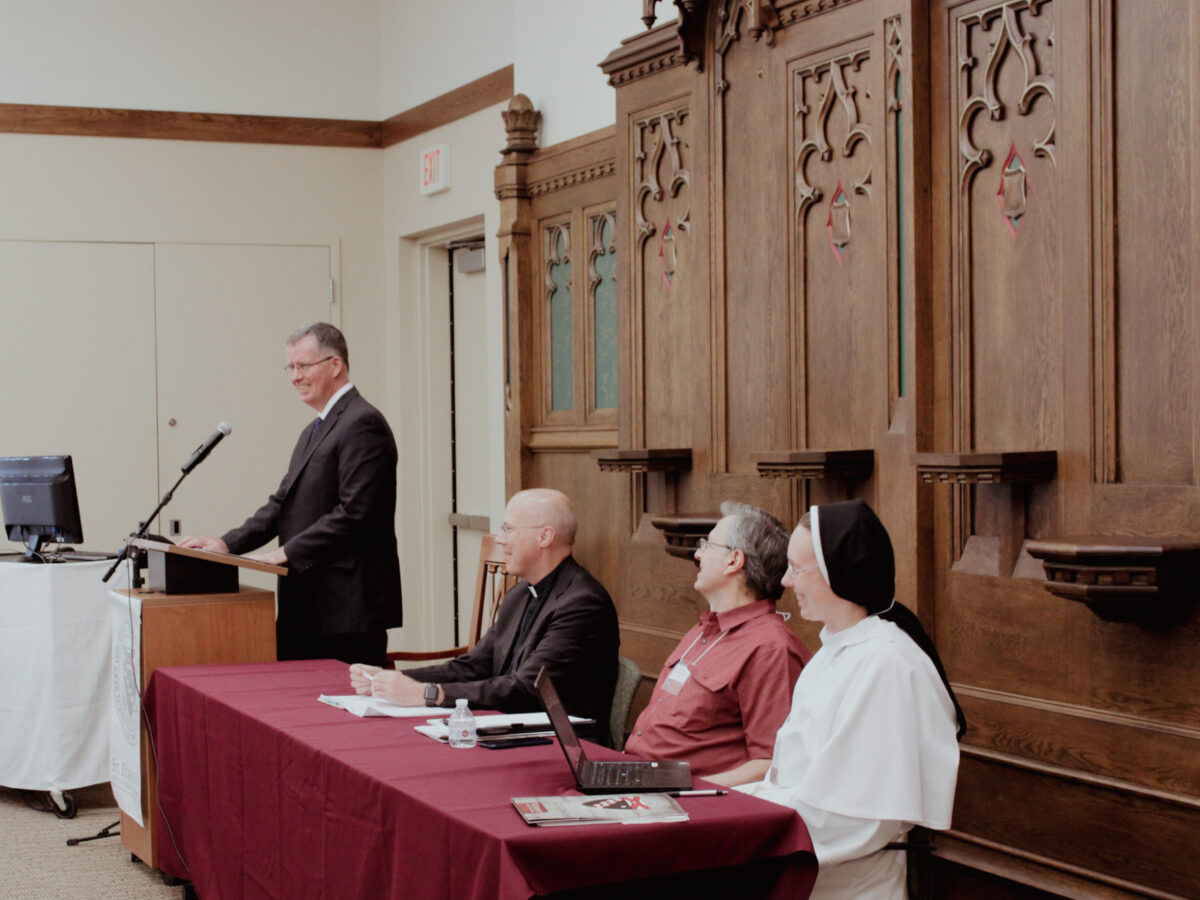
x,y
574,636
335,516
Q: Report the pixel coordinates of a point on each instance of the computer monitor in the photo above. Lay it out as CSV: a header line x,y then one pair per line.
x,y
39,503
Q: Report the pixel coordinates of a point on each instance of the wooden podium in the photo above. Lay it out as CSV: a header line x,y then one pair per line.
x,y
194,611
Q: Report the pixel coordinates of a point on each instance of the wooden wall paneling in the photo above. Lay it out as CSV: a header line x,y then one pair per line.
x,y
1124,748
1117,836
750,307
521,122
1096,719
567,182
1155,328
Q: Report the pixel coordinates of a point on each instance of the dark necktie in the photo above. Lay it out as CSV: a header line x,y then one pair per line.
x,y
316,429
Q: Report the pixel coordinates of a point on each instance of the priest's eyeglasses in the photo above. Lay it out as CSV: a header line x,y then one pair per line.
x,y
304,367
506,529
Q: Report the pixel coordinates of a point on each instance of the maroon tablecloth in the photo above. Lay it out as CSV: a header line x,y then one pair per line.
x,y
270,793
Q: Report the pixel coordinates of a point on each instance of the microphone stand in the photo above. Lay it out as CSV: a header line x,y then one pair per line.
x,y
136,581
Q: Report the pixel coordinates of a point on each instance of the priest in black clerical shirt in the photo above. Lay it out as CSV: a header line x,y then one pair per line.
x,y
557,616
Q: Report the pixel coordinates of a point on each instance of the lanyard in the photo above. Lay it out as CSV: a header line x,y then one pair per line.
x,y
683,656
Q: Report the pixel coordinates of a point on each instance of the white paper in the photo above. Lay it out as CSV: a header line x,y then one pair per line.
x,y
364,705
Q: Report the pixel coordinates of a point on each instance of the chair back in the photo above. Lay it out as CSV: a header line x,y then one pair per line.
x,y
629,676
492,582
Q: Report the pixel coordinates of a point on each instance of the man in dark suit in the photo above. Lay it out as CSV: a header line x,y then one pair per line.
x,y
334,514
557,616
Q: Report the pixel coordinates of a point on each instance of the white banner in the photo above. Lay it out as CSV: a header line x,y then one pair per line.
x,y
124,741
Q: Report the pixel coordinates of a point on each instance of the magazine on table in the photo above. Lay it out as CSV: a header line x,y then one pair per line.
x,y
600,809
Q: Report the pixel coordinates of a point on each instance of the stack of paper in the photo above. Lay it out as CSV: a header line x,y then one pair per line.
x,y
365,705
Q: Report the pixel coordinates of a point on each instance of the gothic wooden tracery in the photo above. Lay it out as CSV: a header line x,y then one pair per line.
x,y
833,83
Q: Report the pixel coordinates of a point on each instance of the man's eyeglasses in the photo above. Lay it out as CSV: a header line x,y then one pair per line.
x,y
304,367
705,542
507,529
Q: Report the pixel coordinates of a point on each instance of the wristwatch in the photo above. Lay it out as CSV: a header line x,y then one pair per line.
x,y
431,695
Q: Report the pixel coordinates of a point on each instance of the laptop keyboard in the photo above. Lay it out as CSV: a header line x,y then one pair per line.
x,y
615,775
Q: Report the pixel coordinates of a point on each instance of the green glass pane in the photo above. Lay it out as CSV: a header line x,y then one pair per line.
x,y
562,378
606,320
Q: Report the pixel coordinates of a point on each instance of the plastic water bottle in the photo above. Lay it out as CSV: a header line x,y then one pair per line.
x,y
462,726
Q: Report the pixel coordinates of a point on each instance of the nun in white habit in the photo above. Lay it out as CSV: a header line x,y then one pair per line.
x,y
870,747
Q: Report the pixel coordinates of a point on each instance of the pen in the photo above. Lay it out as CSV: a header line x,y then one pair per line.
x,y
698,793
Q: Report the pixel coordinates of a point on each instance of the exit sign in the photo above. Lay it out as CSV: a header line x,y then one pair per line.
x,y
435,169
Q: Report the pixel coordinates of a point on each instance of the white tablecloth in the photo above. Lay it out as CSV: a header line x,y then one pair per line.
x,y
55,674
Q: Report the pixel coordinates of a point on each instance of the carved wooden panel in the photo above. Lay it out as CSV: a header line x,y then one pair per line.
x,y
1008,268
841,225
665,259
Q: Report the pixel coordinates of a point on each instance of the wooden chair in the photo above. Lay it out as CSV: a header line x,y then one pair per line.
x,y
492,582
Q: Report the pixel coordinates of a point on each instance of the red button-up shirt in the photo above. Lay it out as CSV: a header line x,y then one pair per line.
x,y
743,664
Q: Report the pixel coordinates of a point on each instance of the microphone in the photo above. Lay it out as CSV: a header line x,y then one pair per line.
x,y
204,449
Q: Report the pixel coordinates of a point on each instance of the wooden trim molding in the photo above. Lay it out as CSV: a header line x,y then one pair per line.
x,y
972,468
82,121
684,530
451,106
673,460
79,121
848,465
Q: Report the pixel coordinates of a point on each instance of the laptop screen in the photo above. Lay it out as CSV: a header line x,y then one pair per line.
x,y
559,720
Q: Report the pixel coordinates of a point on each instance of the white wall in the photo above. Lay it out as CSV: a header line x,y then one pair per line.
x,y
358,59
560,44
414,227
431,48
266,57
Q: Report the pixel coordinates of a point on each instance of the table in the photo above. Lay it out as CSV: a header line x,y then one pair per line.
x,y
55,675
270,793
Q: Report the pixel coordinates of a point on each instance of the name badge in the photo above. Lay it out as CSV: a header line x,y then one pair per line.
x,y
677,679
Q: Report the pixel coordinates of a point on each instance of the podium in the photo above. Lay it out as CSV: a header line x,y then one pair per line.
x,y
193,611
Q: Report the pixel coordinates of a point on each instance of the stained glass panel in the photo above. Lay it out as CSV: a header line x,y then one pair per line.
x,y
604,263
558,277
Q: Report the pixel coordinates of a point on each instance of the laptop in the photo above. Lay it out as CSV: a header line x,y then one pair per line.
x,y
608,776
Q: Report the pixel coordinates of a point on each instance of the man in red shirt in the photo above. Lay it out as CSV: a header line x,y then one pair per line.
x,y
726,689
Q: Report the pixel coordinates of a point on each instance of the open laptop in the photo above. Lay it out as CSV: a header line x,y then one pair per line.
x,y
605,776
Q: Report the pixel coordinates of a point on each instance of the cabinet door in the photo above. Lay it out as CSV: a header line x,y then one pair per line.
x,y
224,313
78,350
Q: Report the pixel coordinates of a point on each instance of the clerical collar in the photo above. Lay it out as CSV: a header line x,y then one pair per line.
x,y
546,585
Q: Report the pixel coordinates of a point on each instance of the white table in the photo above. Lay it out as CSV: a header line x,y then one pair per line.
x,y
55,674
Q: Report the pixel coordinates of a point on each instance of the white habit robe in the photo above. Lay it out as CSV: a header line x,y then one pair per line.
x,y
868,750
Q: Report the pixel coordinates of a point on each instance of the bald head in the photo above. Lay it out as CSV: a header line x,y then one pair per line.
x,y
538,532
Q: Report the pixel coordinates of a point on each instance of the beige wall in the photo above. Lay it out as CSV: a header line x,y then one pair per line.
x,y
88,191
368,59
415,227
